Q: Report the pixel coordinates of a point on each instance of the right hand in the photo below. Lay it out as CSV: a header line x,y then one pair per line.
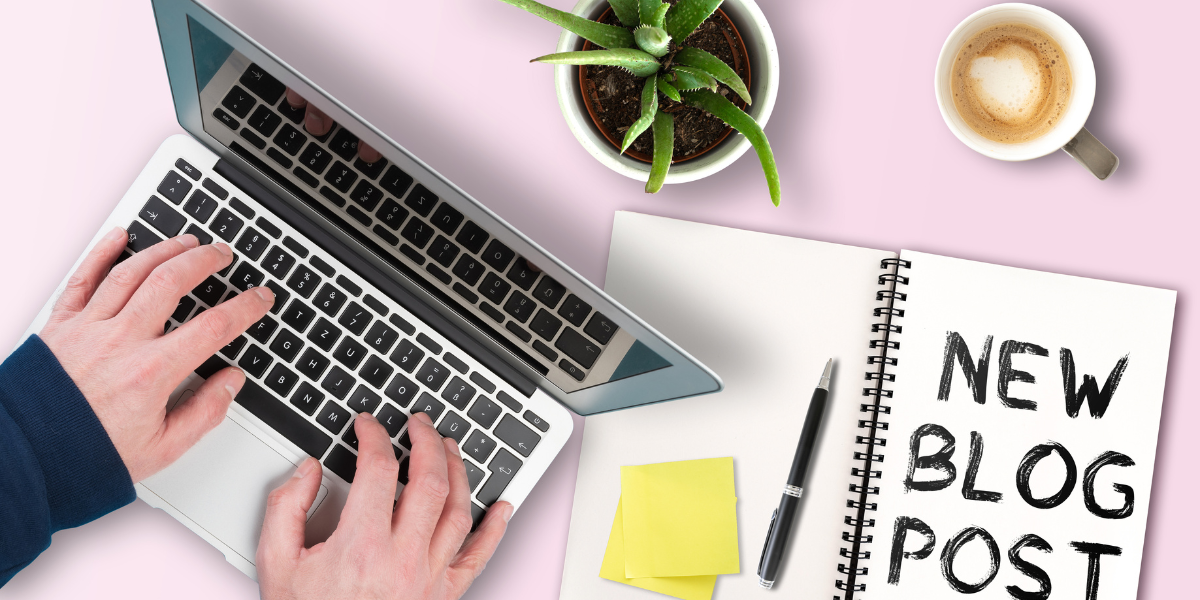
x,y
415,551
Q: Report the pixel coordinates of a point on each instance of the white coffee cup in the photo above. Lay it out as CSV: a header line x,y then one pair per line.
x,y
1070,134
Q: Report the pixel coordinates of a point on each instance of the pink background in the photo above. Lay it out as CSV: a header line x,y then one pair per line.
x,y
866,160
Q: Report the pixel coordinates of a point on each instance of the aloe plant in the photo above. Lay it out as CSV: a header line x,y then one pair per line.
x,y
651,45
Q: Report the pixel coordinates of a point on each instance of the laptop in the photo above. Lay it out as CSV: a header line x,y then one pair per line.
x,y
395,292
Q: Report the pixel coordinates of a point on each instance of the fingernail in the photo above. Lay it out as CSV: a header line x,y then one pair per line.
x,y
304,469
508,512
313,124
265,293
224,248
235,386
453,447
115,234
366,416
424,418
188,240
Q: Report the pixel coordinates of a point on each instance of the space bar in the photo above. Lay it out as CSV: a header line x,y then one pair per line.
x,y
283,419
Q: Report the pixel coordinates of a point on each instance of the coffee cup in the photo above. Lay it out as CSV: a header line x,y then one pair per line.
x,y
1066,130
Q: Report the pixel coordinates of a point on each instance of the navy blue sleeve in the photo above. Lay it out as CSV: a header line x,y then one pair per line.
x,y
58,468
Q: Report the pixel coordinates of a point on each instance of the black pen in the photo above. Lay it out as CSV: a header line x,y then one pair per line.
x,y
781,520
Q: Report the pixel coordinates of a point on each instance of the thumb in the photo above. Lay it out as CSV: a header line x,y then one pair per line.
x,y
196,416
282,536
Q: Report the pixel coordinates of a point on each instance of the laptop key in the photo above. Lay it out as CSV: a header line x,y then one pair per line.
x,y
281,380
200,206
307,398
579,348
428,342
162,217
355,318
276,415
295,115
446,218
392,419
454,427
443,251
458,393
280,158
433,374
290,139
188,169
519,307
319,264
298,315
344,144
277,263
503,467
231,349
183,309
370,170
421,200
341,177
324,334
281,295
262,329
364,399
549,292
287,345
199,233
304,281
574,310
381,337
245,277
330,299
312,364
482,382
264,120
351,438
404,326
407,356
174,187
253,243
600,328
469,269
518,331
227,119
392,214
395,181
338,382
472,237
253,138
255,361
333,417
465,292
545,350
536,421
545,324
518,436
376,371
366,195
226,225
494,288
522,275
474,478
509,401
430,406
258,81
418,233
350,353
571,369
401,390
315,159
210,291
484,412
479,446
238,101
342,462
498,255
492,312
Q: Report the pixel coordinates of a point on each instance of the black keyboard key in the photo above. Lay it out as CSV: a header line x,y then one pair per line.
x,y
231,349
341,177
295,115
484,412
404,326
402,475
536,421
287,345
479,446
366,195
392,214
428,342
226,225
519,307
321,265
279,157
281,380
412,253
255,361
454,427
441,275
374,304
252,243
494,288
432,374
215,189
443,251
333,418
307,398
277,263
385,235
509,401
417,232
545,350
429,405
281,295
200,234
262,329
350,353
600,328
238,101
395,181
338,382
251,137
312,364
330,299
238,205
503,467
348,285
229,267
258,81
407,356
522,275
324,334
498,255
472,237
482,382
245,277
353,211
363,400
290,140
455,363
574,310
342,462
446,218
370,170
174,187
183,309
381,337
519,437
579,348
571,369
210,367
545,324
306,177
295,246
298,315
376,371
492,312
210,291
188,169
269,228
350,437
162,217
474,478
276,415
355,318
549,292
303,281
264,120
459,393
465,292
200,206
392,419
469,269
227,119
518,331
421,200
315,158
344,144
401,390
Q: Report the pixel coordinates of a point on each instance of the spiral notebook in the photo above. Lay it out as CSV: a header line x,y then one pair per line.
x,y
991,430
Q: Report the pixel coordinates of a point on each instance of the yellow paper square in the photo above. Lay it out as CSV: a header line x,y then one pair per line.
x,y
699,587
680,518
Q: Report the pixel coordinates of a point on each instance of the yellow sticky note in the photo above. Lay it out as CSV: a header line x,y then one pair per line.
x,y
680,518
699,587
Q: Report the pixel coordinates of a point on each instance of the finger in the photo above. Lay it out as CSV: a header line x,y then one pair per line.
x,y
190,345
455,523
367,153
480,547
423,498
124,279
317,122
91,272
369,504
282,536
195,417
295,100
159,294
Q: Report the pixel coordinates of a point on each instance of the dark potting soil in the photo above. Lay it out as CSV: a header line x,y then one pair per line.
x,y
617,94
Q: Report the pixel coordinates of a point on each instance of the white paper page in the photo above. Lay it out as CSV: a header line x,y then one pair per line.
x,y
1099,322
765,312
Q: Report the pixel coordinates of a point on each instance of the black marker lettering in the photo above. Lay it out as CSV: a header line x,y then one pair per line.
x,y
969,492
955,544
939,460
903,526
1094,551
1089,486
1008,374
1030,570
956,349
1026,469
1097,399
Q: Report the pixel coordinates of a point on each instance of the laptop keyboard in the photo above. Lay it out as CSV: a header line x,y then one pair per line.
x,y
436,240
330,349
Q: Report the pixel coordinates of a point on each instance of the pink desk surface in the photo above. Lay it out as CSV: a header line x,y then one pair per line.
x,y
866,160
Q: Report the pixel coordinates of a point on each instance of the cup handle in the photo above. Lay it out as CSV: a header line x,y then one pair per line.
x,y
1089,152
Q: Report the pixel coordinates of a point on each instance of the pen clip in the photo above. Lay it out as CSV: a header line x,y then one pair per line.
x,y
767,542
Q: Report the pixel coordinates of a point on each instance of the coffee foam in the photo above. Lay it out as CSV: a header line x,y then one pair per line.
x,y
1011,83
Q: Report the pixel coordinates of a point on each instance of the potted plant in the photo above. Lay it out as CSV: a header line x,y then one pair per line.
x,y
643,66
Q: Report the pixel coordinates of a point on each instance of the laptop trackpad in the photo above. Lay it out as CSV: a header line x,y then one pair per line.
x,y
222,484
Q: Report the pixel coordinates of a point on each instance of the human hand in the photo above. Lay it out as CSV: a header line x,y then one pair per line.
x,y
107,332
318,124
413,551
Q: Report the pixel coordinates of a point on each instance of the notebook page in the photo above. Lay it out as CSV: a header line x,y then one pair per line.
x,y
1012,430
765,312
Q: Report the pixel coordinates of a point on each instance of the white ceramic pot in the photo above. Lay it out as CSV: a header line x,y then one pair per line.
x,y
764,87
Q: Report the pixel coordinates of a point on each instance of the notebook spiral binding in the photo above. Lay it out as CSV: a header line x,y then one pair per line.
x,y
859,522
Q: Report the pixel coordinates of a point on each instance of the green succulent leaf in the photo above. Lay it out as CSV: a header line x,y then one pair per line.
x,y
695,57
649,109
668,89
660,15
647,10
653,40
686,15
691,78
608,36
664,150
728,112
627,11
637,62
